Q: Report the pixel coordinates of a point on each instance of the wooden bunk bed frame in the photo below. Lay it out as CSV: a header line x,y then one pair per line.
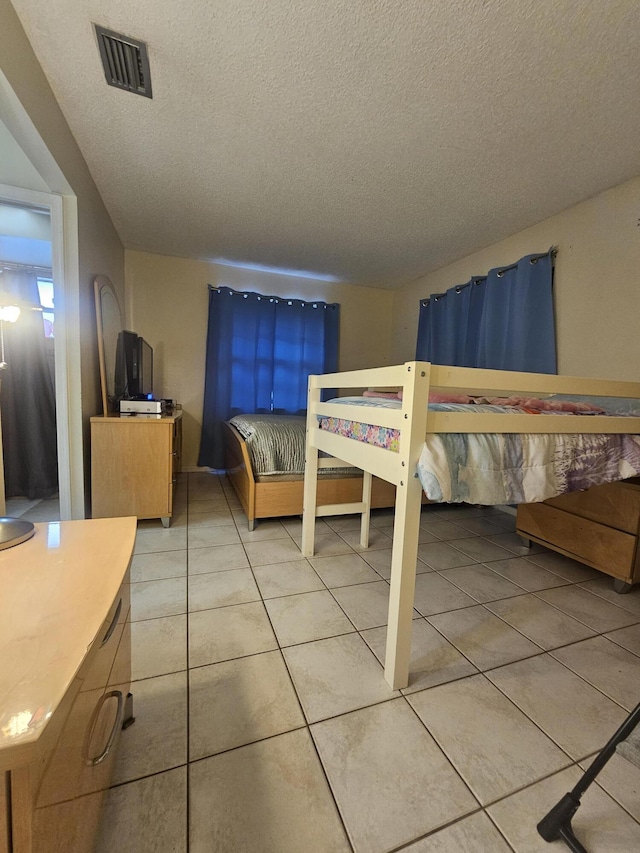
x,y
276,497
414,421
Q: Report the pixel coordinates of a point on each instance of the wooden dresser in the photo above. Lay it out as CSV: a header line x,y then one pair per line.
x,y
134,464
598,527
65,643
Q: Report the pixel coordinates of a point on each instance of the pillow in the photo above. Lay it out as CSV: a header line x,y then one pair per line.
x,y
611,405
385,395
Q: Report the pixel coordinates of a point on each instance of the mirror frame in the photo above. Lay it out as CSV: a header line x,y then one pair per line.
x,y
102,284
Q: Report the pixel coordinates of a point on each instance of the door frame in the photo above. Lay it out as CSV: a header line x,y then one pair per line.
x,y
66,288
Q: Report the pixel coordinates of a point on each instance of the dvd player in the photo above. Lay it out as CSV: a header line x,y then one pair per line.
x,y
139,407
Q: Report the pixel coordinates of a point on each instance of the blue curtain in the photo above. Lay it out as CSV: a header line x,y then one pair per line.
x,y
260,351
504,320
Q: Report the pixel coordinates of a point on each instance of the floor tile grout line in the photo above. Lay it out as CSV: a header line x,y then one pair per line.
x,y
543,651
426,616
422,615
188,708
572,763
345,829
538,725
582,622
442,827
304,717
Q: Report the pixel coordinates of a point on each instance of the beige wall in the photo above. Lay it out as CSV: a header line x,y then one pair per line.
x,y
597,284
100,249
167,303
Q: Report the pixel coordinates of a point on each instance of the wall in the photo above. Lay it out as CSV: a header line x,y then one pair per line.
x,y
15,167
597,294
167,303
100,249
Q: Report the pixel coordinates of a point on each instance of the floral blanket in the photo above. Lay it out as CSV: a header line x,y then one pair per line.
x,y
493,469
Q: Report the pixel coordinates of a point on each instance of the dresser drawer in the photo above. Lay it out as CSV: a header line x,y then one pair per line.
x,y
61,797
594,544
81,761
615,504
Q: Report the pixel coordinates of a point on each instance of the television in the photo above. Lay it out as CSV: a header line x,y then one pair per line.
x,y
134,368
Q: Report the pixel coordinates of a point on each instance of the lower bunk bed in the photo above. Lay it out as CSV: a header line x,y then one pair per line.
x,y
414,445
269,482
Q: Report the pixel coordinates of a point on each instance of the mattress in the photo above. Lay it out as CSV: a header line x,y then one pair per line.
x,y
501,468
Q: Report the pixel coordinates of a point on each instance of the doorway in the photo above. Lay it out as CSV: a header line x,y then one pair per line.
x,y
30,176
28,363
61,292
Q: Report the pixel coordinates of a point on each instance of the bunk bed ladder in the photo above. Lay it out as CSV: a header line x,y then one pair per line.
x,y
311,510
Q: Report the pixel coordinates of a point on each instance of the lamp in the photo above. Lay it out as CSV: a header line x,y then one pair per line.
x,y
12,530
8,314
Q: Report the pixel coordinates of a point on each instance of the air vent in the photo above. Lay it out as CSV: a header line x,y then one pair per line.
x,y
125,62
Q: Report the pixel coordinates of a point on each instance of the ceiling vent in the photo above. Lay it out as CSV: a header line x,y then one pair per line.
x,y
125,62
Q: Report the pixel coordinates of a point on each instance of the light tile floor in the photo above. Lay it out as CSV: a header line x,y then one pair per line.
x,y
34,510
263,723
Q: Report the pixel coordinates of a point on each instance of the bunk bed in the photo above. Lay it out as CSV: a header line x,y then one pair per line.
x,y
400,435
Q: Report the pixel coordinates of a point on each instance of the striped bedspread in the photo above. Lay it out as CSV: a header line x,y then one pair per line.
x,y
275,442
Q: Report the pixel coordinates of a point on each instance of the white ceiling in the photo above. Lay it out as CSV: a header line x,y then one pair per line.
x,y
371,140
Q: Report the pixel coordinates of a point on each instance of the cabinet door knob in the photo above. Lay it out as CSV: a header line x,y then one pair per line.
x,y
117,725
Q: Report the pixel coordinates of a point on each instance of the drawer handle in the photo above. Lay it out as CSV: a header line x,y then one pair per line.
x,y
112,627
117,725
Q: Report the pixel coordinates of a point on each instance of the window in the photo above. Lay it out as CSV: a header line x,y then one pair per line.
x,y
45,289
260,351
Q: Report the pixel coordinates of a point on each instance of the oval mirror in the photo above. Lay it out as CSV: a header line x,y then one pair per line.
x,y
109,326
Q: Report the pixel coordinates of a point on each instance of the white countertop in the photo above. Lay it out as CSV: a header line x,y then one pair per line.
x,y
55,593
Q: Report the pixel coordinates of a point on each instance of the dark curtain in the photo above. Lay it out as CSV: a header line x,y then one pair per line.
x,y
504,320
27,396
260,351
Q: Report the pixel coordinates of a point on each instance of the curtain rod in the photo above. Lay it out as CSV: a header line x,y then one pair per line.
x,y
12,265
552,251
288,300
476,279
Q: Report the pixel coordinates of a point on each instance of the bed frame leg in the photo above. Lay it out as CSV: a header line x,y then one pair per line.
x,y
310,493
365,518
403,581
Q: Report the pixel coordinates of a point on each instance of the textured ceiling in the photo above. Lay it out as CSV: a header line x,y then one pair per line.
x,y
370,140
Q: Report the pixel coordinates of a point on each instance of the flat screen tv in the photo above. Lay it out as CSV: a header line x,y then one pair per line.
x,y
134,368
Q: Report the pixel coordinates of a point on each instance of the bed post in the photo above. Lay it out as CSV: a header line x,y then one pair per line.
x,y
310,494
365,518
415,397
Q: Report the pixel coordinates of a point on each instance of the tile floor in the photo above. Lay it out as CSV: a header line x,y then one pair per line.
x,y
34,510
264,723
